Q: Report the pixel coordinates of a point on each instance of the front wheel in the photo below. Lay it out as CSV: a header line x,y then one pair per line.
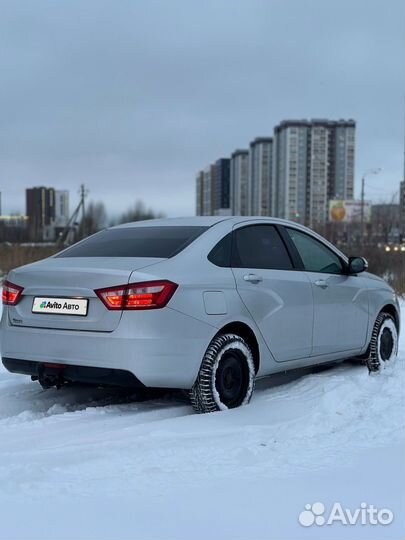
x,y
226,377
384,342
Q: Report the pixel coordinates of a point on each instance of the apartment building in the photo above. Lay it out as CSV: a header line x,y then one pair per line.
x,y
292,175
261,185
239,183
313,163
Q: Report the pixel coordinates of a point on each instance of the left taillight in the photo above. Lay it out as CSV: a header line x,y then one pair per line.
x,y
11,293
145,295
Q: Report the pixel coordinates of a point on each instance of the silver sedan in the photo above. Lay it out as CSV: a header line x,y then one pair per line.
x,y
206,304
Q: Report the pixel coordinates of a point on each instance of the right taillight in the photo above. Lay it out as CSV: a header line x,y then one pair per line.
x,y
145,295
11,293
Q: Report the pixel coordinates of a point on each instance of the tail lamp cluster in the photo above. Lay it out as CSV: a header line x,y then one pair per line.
x,y
11,293
146,295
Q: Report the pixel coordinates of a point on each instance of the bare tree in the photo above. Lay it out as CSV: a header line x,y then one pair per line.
x,y
95,218
139,212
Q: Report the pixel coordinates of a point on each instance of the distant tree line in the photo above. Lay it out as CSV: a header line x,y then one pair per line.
x,y
96,217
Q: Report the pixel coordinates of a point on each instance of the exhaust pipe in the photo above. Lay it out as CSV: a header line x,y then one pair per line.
x,y
50,375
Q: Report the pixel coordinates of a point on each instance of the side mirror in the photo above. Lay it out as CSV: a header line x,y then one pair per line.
x,y
357,265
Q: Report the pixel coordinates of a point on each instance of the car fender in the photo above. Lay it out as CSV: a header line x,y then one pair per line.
x,y
381,295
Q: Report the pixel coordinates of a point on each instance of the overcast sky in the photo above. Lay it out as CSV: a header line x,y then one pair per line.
x,y
133,97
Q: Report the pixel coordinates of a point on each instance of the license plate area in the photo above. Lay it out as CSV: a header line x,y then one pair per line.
x,y
47,305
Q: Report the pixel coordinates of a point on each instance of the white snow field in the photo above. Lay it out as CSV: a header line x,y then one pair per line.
x,y
83,463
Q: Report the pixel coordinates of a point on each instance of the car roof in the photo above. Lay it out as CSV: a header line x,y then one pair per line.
x,y
202,221
196,221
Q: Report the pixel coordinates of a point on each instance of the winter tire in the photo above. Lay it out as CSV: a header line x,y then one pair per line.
x,y
384,342
226,377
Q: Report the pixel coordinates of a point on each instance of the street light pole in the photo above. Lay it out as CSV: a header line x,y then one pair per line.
x,y
363,184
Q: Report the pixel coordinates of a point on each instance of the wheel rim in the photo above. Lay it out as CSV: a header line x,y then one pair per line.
x,y
386,344
232,378
387,341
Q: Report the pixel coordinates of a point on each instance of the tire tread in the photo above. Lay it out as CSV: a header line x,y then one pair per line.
x,y
372,361
201,394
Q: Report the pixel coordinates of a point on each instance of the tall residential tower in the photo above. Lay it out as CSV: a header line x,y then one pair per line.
x,y
239,180
292,175
313,163
261,177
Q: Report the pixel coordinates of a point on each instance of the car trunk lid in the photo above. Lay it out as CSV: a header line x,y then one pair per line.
x,y
73,278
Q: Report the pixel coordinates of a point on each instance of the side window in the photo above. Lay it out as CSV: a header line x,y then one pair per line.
x,y
259,246
315,256
220,255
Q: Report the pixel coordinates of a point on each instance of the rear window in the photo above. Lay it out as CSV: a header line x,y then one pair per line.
x,y
220,255
161,242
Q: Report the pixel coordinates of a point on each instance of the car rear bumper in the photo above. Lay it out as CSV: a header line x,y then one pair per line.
x,y
163,348
83,374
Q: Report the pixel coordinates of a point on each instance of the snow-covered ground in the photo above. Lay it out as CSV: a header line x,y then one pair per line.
x,y
89,463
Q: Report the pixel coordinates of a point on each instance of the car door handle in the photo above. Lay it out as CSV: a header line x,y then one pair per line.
x,y
252,278
321,283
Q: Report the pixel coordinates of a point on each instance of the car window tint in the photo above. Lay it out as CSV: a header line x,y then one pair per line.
x,y
220,255
259,246
161,242
315,256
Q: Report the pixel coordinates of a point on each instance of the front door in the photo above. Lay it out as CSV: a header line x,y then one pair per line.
x,y
340,300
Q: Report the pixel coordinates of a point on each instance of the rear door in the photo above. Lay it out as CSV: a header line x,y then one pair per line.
x,y
278,297
340,300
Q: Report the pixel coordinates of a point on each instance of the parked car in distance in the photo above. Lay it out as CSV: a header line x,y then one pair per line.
x,y
205,304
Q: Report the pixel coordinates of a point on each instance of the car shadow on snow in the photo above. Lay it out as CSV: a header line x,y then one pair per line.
x,y
21,397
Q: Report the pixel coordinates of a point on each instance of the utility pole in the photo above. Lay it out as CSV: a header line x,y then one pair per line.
x,y
83,194
68,230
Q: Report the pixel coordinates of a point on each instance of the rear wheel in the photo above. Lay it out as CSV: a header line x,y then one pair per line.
x,y
384,343
226,377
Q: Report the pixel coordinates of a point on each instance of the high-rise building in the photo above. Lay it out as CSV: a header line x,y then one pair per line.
x,y
207,191
56,228
40,210
239,183
47,211
61,208
341,156
317,187
221,186
199,202
213,189
262,193
314,162
293,175
290,169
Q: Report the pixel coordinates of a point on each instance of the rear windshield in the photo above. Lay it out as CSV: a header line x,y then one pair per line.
x,y
161,242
